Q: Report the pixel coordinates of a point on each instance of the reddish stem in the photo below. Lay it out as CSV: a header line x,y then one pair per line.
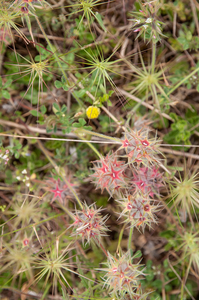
x,y
103,249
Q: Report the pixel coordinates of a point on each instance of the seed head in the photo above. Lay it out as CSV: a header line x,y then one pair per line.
x,y
138,210
53,266
147,181
109,174
139,148
122,276
89,223
27,211
190,246
185,193
24,10
18,260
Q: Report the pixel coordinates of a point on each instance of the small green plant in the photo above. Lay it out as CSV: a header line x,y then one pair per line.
x,y
186,40
4,88
182,129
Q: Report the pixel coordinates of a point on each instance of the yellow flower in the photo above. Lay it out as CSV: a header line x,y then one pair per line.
x,y
92,112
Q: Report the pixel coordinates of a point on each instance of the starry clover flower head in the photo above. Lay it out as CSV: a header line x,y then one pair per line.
x,y
122,276
138,210
109,173
139,148
89,224
147,180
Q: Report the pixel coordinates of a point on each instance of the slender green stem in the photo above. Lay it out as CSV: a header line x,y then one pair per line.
x,y
130,239
153,57
31,225
120,238
67,211
182,283
52,49
91,146
182,81
99,135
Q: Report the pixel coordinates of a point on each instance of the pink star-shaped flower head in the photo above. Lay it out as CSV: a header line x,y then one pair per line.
x,y
57,193
89,224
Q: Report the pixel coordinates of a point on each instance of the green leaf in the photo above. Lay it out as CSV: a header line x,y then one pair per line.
x,y
88,127
82,122
150,277
99,19
109,102
189,36
77,125
67,130
168,247
0,82
5,94
70,58
65,87
40,57
158,284
40,49
186,45
35,113
81,93
58,84
56,106
8,83
149,264
138,254
174,116
43,109
63,109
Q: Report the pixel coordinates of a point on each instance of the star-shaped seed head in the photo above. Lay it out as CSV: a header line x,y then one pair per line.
x,y
89,224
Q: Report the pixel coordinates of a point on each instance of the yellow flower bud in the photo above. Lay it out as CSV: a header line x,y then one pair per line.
x,y
92,112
